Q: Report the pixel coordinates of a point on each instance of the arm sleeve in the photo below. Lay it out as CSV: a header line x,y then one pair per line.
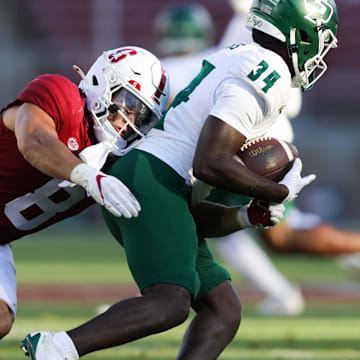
x,y
237,104
52,93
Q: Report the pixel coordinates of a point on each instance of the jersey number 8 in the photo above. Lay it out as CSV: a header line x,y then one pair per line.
x,y
33,209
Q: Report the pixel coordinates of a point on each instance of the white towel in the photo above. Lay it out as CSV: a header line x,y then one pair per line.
x,y
95,156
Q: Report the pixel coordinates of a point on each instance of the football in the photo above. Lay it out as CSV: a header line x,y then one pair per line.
x,y
269,157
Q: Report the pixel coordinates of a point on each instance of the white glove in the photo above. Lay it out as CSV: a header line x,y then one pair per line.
x,y
294,182
259,213
106,190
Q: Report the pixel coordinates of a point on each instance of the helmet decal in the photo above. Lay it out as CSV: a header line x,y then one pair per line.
x,y
160,88
135,84
128,97
121,54
321,10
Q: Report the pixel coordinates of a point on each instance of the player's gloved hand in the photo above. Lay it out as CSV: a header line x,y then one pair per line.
x,y
260,213
106,190
294,182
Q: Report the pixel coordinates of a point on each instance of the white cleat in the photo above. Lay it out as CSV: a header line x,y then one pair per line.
x,y
350,263
289,304
39,346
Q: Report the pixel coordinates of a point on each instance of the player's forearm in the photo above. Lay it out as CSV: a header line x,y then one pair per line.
x,y
50,156
215,220
225,172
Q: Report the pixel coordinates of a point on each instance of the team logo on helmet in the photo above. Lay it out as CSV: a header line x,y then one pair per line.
x,y
121,54
319,10
254,21
72,144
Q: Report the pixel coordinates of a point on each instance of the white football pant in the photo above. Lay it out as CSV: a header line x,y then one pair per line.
x,y
8,277
245,255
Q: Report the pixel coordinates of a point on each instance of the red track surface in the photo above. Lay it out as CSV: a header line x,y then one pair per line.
x,y
349,293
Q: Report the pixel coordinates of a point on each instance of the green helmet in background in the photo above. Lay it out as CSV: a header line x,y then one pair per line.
x,y
308,27
184,28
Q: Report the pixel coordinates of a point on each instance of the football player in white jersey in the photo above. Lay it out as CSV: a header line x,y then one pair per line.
x,y
298,232
237,95
239,249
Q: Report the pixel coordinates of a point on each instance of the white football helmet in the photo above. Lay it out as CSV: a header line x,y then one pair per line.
x,y
240,7
141,86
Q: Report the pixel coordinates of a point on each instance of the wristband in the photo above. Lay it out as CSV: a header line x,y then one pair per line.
x,y
243,218
78,172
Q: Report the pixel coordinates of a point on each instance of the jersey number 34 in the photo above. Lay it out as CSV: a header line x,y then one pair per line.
x,y
269,80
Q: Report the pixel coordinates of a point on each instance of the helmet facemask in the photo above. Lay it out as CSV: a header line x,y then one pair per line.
x,y
309,70
307,27
137,118
123,96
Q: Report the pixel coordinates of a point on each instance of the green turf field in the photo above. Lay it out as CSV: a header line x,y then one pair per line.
x,y
325,331
329,332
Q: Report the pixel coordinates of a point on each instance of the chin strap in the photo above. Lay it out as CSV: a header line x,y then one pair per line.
x,y
297,80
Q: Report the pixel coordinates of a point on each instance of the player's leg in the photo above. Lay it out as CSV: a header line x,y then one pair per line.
x,y
8,300
161,249
161,307
243,254
214,326
218,312
306,233
246,256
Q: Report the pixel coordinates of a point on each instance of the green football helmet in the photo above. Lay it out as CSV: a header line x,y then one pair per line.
x,y
184,28
307,26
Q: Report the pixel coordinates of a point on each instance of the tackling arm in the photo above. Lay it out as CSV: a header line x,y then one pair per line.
x,y
38,142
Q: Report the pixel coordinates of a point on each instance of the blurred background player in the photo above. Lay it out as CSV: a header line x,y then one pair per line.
x,y
185,35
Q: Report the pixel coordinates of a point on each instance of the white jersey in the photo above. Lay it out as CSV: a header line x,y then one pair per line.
x,y
237,31
246,86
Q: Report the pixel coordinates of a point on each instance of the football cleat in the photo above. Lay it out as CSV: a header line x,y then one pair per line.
x,y
289,304
39,346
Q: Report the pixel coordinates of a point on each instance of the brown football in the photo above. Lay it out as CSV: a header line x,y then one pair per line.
x,y
269,157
